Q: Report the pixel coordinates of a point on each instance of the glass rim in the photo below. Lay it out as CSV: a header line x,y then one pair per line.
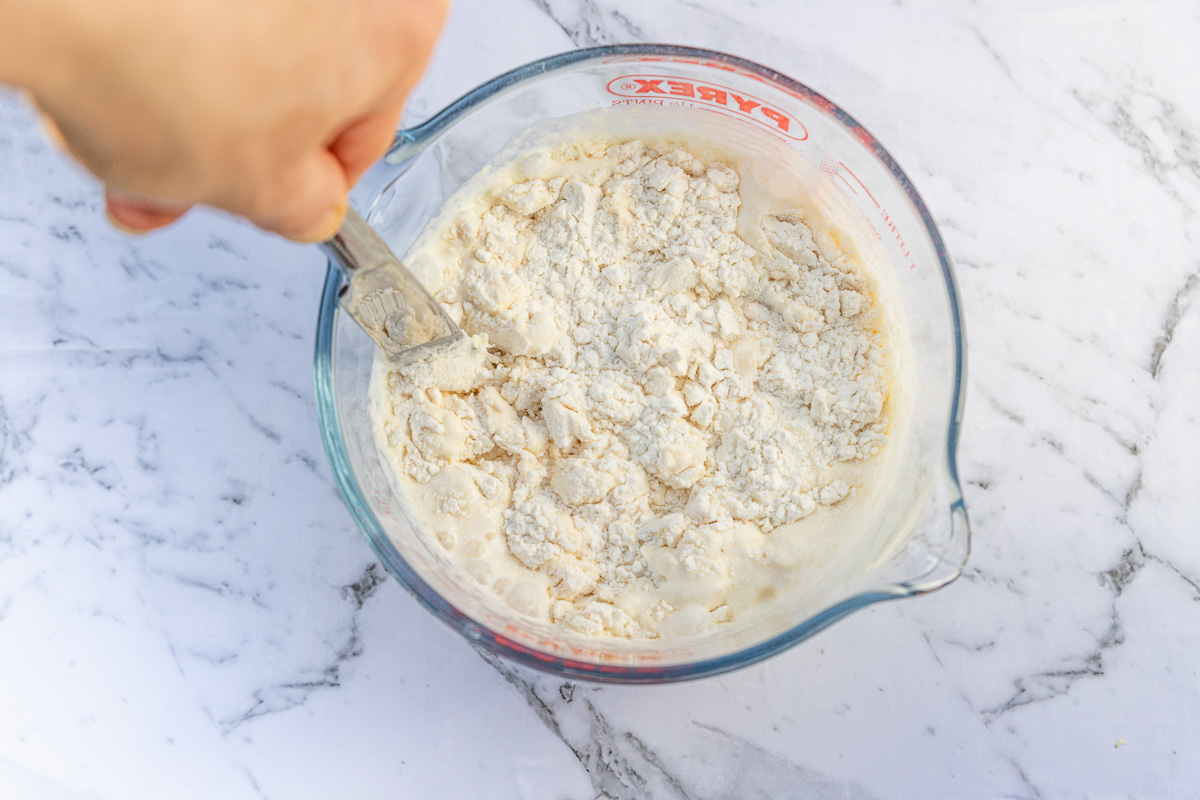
x,y
408,143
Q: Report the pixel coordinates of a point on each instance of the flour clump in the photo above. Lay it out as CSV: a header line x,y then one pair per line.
x,y
646,394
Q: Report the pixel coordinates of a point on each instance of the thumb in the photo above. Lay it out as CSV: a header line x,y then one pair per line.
x,y
307,201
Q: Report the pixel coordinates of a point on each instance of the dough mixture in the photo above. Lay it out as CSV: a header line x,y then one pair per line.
x,y
652,410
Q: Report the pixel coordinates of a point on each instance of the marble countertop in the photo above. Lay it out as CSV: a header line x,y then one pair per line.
x,y
187,610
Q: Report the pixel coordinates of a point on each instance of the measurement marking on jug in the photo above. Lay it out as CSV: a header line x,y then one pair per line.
x,y
842,178
884,215
860,183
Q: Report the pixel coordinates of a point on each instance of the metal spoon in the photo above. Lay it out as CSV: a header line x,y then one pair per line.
x,y
384,298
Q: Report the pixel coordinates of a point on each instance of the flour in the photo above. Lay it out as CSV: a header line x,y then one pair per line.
x,y
645,395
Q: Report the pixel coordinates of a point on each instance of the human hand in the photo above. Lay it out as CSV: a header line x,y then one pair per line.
x,y
271,110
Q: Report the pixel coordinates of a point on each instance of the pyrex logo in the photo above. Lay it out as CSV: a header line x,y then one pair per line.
x,y
660,88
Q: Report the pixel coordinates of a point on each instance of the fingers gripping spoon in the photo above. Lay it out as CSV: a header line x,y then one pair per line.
x,y
384,298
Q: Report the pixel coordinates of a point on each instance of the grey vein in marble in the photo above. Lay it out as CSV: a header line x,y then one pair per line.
x,y
587,25
284,696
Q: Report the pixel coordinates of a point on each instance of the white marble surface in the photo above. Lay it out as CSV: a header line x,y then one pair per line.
x,y
187,611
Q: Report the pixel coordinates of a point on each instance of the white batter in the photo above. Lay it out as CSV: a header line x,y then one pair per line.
x,y
675,385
